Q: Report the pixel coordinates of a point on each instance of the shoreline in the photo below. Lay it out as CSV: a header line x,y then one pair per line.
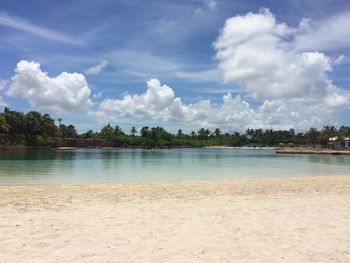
x,y
313,151
215,182
20,148
300,219
323,151
307,185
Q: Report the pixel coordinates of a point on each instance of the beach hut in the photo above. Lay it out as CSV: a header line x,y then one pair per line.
x,y
332,142
346,142
336,142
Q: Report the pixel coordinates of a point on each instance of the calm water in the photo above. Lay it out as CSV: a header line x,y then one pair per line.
x,y
135,165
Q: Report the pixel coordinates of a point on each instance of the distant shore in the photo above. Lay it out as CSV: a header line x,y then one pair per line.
x,y
270,220
240,147
25,148
313,151
278,150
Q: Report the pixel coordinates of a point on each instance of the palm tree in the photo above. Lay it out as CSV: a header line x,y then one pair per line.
x,y
48,126
313,136
118,131
107,132
133,131
180,133
33,125
328,132
4,127
145,131
344,132
201,133
217,132
249,133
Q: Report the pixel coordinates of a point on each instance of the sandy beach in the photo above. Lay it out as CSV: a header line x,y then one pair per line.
x,y
273,220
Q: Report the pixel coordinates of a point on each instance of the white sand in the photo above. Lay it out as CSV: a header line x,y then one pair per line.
x,y
282,220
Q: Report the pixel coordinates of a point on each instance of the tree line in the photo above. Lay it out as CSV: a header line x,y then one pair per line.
x,y
36,129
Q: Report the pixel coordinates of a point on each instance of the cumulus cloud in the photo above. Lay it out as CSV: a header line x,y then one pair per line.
x,y
2,86
68,92
290,87
328,34
256,52
97,68
233,113
154,100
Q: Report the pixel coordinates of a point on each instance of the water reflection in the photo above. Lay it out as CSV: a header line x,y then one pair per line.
x,y
137,165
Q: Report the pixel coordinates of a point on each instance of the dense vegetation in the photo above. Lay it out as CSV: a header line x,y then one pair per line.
x,y
36,129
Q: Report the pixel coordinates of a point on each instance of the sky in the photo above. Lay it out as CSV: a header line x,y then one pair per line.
x,y
178,64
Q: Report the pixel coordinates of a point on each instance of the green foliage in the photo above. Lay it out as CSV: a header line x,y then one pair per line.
x,y
68,131
36,129
4,126
344,132
107,132
19,142
313,136
144,132
118,131
40,141
133,131
16,122
121,140
32,128
90,134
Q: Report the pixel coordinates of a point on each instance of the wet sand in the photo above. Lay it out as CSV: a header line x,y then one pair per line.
x,y
272,220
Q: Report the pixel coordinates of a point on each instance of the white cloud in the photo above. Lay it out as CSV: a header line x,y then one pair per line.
x,y
97,68
160,104
291,88
253,51
339,60
68,92
24,25
97,95
2,84
156,98
327,34
199,76
207,5
212,4
198,12
142,63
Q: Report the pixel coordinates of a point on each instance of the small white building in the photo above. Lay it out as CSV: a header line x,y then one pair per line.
x,y
336,142
346,142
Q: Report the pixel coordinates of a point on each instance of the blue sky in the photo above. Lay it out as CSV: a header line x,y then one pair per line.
x,y
117,47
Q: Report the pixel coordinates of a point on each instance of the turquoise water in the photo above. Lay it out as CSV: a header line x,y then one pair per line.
x,y
82,166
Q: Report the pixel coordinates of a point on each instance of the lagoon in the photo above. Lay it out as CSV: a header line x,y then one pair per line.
x,y
86,166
